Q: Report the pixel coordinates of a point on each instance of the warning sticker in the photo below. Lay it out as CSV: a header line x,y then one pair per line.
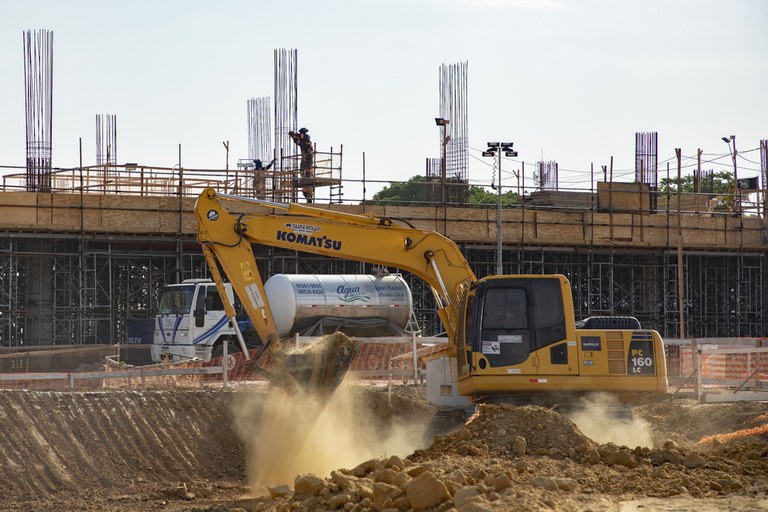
x,y
491,347
247,271
512,338
253,292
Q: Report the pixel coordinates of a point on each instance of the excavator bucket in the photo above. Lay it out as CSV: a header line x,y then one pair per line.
x,y
320,367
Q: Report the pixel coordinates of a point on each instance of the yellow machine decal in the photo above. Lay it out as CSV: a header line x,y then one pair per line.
x,y
247,271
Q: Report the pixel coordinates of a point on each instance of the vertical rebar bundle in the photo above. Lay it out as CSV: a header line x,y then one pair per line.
x,y
706,181
547,175
453,107
38,101
106,139
260,129
286,101
646,158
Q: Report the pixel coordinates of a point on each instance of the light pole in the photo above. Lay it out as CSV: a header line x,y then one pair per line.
x,y
732,151
439,121
495,148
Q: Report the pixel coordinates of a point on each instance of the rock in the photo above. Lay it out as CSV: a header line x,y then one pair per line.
x,y
715,486
521,467
395,462
622,458
415,471
462,495
453,487
402,503
669,445
384,495
592,456
659,473
344,482
502,482
364,468
457,476
338,501
693,460
365,492
546,482
279,491
566,484
519,446
385,475
308,484
426,491
401,481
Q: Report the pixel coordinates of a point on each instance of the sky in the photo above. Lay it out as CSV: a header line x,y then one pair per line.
x,y
565,80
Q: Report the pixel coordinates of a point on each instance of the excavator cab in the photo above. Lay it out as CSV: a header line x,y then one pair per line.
x,y
510,318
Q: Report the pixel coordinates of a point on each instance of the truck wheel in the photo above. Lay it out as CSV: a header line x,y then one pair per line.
x,y
234,358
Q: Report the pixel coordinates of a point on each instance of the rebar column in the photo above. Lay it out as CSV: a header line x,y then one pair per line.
x,y
286,100
38,102
260,129
453,107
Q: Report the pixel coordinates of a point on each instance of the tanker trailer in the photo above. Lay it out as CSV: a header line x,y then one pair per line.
x,y
358,305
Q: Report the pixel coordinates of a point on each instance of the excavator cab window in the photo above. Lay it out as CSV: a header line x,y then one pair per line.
x,y
517,316
504,333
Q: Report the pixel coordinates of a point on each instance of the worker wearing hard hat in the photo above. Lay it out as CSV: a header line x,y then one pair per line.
x,y
301,139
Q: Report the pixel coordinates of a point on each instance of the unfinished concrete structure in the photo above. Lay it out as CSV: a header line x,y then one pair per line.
x,y
75,266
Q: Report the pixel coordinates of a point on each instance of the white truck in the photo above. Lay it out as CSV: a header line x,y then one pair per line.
x,y
191,322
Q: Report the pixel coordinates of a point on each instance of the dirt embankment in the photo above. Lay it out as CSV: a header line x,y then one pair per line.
x,y
200,450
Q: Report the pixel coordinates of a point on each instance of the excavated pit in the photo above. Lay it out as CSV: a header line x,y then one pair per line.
x,y
199,450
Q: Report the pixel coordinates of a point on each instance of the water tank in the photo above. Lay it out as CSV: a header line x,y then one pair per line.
x,y
300,300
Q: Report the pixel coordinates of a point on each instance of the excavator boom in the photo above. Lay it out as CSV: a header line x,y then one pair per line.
x,y
226,241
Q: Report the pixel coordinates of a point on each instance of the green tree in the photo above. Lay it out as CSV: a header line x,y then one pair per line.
x,y
480,197
416,190
721,181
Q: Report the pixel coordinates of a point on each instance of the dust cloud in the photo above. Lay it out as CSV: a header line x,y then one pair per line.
x,y
602,418
290,433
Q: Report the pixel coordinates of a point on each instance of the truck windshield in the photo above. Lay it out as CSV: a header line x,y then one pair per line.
x,y
176,300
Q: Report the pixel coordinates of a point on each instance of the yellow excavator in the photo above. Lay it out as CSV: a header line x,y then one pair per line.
x,y
512,335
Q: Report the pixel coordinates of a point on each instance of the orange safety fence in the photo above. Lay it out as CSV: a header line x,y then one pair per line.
x,y
374,361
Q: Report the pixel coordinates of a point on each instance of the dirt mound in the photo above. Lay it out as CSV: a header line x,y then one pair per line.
x,y
505,430
530,458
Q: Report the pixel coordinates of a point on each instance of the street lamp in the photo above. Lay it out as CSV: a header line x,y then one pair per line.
x,y
493,149
728,141
439,121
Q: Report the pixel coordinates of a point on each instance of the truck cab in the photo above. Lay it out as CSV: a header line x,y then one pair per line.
x,y
191,322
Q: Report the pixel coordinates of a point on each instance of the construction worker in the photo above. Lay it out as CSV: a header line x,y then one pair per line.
x,y
301,139
259,176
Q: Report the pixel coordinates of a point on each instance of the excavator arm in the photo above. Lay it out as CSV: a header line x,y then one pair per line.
x,y
226,239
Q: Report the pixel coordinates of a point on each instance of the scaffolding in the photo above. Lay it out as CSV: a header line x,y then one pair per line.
x,y
78,263
62,290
